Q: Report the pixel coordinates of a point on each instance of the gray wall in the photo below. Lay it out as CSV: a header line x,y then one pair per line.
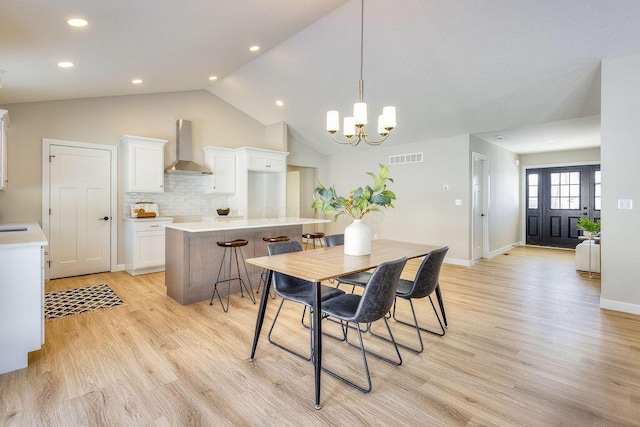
x,y
424,213
620,151
504,194
105,121
568,157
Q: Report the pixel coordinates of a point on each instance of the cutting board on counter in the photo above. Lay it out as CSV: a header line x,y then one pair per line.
x,y
144,210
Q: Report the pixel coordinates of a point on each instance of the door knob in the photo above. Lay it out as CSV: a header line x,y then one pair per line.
x,y
106,218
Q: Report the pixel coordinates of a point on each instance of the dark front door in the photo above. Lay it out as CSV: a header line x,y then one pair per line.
x,y
556,199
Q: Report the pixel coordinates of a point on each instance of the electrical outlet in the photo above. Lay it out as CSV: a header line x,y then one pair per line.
x,y
625,203
458,202
445,187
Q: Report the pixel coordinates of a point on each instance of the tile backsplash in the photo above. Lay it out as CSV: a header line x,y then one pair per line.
x,y
183,195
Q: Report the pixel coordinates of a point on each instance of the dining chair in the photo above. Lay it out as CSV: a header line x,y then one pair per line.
x,y
375,302
296,290
355,279
424,285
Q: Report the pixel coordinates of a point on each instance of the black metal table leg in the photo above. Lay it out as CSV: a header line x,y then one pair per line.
x,y
317,339
441,304
261,311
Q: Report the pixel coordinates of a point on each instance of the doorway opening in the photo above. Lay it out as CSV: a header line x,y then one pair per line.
x,y
79,207
556,198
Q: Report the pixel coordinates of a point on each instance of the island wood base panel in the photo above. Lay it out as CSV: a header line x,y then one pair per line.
x,y
193,259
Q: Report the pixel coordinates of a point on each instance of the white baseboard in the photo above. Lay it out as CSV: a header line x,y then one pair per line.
x,y
624,307
119,267
504,249
462,262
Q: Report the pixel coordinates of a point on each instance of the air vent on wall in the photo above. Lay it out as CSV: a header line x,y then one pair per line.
x,y
400,159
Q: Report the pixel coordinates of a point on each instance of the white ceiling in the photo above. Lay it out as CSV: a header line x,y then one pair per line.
x,y
491,67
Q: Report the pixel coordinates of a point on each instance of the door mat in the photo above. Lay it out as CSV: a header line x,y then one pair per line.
x,y
77,301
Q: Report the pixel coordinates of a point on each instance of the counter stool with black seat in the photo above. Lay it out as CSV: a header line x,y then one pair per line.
x,y
263,275
232,247
311,238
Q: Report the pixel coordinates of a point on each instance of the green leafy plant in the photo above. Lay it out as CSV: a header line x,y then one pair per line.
x,y
588,225
360,201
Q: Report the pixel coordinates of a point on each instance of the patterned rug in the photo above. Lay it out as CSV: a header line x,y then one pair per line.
x,y
77,301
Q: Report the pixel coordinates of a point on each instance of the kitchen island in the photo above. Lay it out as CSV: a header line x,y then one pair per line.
x,y
192,257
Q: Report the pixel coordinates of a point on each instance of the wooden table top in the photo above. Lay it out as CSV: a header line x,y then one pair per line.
x,y
327,263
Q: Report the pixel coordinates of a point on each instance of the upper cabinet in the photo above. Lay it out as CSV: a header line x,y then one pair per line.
x,y
143,164
4,124
221,163
266,160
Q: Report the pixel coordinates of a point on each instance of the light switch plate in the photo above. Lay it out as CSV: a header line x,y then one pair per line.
x,y
458,202
625,203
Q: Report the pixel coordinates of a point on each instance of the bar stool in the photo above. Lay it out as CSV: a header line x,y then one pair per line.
x,y
312,237
263,275
232,246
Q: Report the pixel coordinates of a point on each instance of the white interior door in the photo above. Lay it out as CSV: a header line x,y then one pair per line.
x,y
80,211
479,209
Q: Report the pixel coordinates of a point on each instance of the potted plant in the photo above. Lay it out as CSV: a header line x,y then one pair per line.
x,y
589,228
362,200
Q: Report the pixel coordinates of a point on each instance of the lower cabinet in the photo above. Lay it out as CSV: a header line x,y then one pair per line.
x,y
21,305
144,245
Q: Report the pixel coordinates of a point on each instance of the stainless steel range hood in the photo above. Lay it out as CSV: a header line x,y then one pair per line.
x,y
184,152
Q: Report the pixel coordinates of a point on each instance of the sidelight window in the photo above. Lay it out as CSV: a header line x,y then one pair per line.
x,y
532,184
565,190
597,191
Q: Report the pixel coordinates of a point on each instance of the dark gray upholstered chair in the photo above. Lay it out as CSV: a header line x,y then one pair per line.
x,y
297,290
424,285
334,240
356,279
375,302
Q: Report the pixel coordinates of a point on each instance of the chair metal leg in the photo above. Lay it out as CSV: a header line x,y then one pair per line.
x,y
364,358
324,316
263,277
417,326
288,349
441,304
246,271
215,285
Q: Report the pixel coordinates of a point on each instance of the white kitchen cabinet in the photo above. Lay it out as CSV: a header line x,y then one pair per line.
x,y
143,164
4,124
144,244
222,164
261,183
266,160
21,295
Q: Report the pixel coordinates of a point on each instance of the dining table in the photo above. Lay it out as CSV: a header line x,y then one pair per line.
x,y
318,265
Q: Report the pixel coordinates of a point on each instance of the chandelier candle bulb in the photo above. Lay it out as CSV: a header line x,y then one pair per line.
x,y
360,113
349,126
333,121
390,117
382,130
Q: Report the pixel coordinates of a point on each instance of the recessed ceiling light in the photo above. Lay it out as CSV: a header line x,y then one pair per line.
x,y
551,141
77,22
499,137
279,103
213,78
65,64
254,48
136,81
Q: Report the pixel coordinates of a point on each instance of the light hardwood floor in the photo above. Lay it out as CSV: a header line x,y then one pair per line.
x,y
527,345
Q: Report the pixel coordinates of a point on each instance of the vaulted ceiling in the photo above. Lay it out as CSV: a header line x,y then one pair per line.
x,y
521,69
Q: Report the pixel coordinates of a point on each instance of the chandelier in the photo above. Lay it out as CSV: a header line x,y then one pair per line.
x,y
353,127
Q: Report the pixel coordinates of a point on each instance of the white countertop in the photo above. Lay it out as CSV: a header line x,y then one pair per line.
x,y
155,218
32,236
238,224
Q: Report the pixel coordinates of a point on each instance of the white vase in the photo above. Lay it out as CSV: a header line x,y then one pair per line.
x,y
357,238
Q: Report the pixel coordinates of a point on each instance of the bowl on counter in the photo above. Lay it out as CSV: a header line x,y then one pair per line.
x,y
223,211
